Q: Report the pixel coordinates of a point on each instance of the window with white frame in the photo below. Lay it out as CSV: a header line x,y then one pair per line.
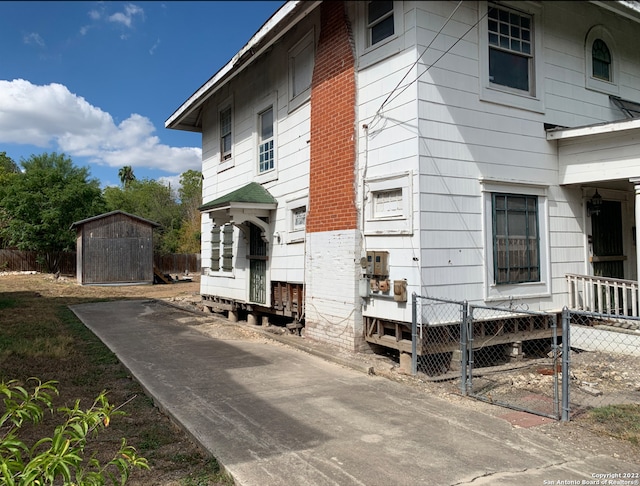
x,y
510,37
299,218
225,134
266,152
381,27
388,204
510,43
222,248
380,22
516,249
600,61
301,71
296,219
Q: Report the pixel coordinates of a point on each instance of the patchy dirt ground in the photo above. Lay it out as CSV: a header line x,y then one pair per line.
x,y
83,370
176,461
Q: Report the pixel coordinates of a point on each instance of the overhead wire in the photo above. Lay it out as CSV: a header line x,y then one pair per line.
x,y
391,96
416,61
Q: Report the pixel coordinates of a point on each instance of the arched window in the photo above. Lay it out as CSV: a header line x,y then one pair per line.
x,y
601,60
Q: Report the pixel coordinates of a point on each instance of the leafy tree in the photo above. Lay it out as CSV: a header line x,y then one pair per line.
x,y
126,175
7,165
61,458
190,194
8,170
42,202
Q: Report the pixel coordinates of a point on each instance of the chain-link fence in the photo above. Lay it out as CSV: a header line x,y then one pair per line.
x,y
436,338
601,354
549,364
513,359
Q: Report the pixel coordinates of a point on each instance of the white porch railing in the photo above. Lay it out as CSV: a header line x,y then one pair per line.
x,y
603,294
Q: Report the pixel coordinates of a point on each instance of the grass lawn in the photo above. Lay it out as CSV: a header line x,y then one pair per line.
x,y
40,337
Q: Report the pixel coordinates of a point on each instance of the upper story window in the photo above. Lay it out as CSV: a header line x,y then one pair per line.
x,y
265,142
601,60
301,71
380,22
510,48
225,134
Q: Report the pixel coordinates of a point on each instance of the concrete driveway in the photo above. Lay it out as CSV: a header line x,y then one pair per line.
x,y
274,415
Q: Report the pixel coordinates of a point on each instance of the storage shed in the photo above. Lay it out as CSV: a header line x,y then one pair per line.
x,y
114,248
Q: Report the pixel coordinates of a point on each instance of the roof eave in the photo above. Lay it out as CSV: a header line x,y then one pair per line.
x,y
596,129
626,8
238,205
278,24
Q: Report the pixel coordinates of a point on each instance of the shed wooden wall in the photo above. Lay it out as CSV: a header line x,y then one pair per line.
x,y
114,250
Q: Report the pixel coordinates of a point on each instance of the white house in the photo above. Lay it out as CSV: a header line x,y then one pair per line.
x,y
356,152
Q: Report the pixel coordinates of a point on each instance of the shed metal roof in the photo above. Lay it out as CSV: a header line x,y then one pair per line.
x,y
112,213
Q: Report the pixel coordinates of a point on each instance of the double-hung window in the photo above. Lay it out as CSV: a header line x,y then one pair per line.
x,y
510,48
225,134
380,21
266,153
516,242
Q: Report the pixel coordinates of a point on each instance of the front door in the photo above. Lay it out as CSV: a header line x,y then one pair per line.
x,y
257,266
608,257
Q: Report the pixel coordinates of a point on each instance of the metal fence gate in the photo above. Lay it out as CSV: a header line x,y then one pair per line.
x,y
526,360
513,359
505,356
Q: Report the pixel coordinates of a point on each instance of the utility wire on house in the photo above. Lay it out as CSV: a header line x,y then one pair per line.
x,y
391,96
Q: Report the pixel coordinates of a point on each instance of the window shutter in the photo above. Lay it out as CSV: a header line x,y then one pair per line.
x,y
215,249
227,247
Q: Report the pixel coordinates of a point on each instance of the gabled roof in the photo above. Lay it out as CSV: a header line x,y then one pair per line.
x,y
188,115
253,195
112,213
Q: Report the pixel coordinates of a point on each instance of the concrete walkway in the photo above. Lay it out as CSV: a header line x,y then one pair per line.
x,y
274,415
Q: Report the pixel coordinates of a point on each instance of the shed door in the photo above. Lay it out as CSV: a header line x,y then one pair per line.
x,y
606,227
257,266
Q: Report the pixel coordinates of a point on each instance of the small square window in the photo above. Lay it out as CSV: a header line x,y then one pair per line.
x,y
298,218
388,204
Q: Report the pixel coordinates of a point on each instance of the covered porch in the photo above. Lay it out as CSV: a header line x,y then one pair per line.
x,y
603,161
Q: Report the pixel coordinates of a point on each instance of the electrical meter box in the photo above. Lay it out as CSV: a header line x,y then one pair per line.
x,y
378,262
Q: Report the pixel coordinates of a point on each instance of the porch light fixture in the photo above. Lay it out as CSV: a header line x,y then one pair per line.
x,y
594,205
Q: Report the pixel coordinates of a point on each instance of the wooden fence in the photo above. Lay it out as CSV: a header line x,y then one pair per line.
x,y
26,261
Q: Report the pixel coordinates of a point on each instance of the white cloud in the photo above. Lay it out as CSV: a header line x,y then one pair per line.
x,y
94,14
126,17
154,47
51,115
34,38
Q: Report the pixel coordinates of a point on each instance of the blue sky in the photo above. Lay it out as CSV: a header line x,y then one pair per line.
x,y
97,80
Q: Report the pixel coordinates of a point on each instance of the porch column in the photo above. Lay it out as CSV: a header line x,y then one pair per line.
x,y
636,182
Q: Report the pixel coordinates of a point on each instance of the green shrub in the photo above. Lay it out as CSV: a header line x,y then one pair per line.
x,y
63,456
